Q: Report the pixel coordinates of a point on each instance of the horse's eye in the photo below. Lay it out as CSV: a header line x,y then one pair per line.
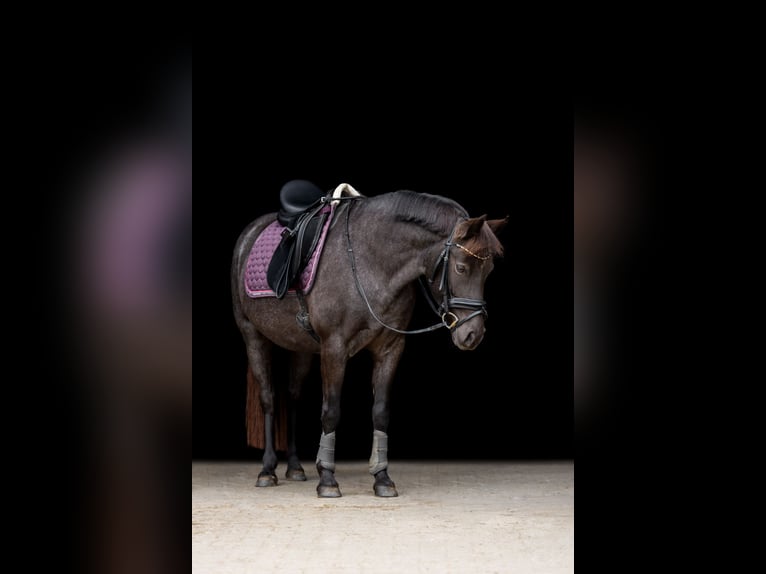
x,y
460,268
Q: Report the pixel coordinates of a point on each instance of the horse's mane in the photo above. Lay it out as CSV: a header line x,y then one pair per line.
x,y
434,212
439,215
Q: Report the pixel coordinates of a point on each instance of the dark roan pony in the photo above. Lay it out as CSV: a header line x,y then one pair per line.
x,y
376,251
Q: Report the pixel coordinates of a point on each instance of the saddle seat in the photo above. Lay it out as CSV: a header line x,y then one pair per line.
x,y
295,197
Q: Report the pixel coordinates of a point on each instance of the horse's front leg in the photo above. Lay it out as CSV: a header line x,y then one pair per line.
x,y
384,367
333,358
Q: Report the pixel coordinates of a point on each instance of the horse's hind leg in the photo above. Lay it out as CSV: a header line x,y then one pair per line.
x,y
300,365
259,357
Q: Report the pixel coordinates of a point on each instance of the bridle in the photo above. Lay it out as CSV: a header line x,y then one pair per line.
x,y
448,302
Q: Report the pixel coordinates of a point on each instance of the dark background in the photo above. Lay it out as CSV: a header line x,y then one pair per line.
x,y
445,125
512,397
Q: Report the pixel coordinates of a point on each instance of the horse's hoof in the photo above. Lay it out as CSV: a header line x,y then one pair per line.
x,y
295,474
327,491
385,490
267,480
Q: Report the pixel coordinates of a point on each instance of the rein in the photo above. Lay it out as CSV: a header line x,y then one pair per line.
x,y
448,318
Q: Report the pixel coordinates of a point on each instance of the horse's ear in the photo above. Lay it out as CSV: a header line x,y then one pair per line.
x,y
496,225
469,227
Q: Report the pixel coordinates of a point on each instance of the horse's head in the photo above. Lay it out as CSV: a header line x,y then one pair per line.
x,y
474,247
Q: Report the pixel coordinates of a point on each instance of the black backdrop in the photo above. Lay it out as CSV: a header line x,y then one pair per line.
x,y
455,131
512,397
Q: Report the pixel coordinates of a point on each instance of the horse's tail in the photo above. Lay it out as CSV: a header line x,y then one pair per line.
x,y
254,415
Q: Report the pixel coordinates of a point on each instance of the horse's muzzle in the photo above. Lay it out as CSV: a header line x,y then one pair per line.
x,y
467,337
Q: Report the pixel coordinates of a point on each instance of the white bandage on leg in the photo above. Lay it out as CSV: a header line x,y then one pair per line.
x,y
379,457
326,452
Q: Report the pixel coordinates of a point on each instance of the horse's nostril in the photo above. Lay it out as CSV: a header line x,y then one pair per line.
x,y
470,337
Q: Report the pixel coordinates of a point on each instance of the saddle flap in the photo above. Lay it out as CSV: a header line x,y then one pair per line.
x,y
293,253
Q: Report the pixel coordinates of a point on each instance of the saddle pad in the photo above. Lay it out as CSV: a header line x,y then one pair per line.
x,y
260,257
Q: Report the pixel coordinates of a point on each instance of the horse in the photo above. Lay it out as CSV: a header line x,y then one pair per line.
x,y
376,251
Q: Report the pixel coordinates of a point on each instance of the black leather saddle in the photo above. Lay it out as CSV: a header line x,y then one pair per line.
x,y
302,215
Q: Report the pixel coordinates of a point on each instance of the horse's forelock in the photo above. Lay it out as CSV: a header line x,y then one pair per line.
x,y
485,243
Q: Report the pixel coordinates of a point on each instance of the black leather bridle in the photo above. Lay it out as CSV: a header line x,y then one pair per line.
x,y
479,306
448,302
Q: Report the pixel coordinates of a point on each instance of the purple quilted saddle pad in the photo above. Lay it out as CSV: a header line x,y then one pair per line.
x,y
260,257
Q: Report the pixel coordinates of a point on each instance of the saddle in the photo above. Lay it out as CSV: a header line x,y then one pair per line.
x,y
296,197
303,213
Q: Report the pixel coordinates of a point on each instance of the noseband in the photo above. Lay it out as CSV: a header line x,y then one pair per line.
x,y
442,309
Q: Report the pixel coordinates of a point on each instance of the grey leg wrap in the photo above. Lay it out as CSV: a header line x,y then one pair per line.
x,y
326,452
379,457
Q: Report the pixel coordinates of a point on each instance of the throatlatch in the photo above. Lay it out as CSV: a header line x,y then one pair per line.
x,y
379,456
326,452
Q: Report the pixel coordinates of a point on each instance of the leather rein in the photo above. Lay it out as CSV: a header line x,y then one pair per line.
x,y
442,309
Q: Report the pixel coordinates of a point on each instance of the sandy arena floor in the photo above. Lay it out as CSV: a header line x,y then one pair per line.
x,y
472,517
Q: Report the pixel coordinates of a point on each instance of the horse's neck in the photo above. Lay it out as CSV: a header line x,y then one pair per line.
x,y
405,251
